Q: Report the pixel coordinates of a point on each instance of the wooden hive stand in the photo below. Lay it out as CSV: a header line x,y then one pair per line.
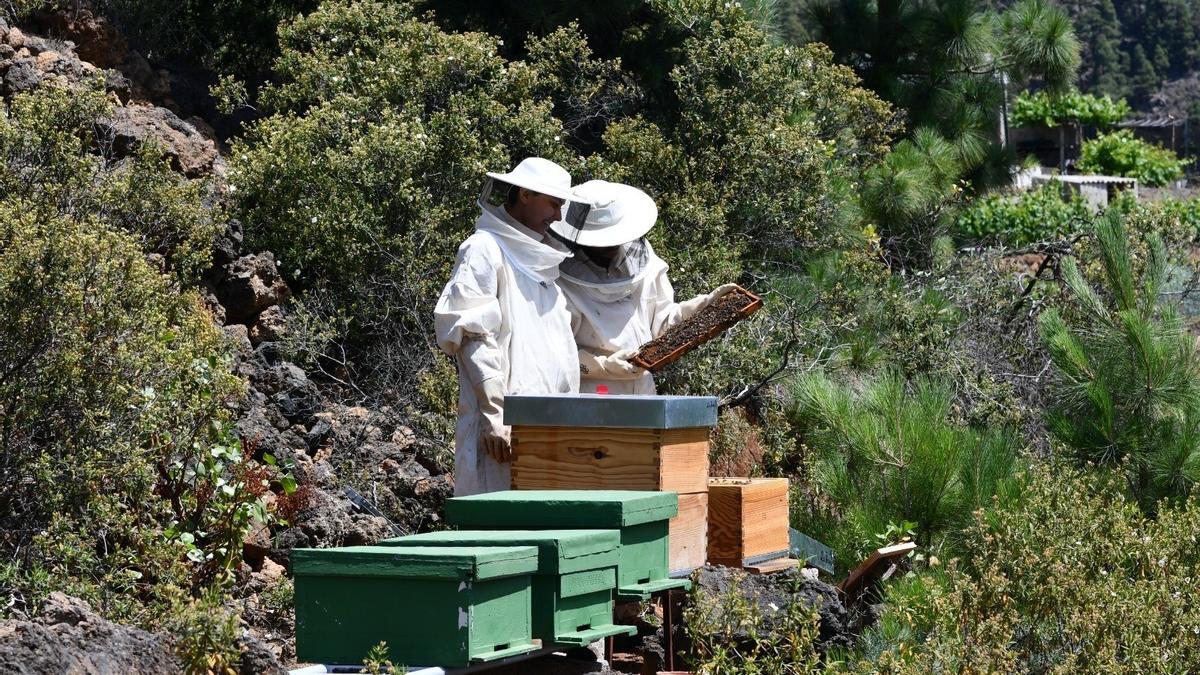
x,y
610,442
748,523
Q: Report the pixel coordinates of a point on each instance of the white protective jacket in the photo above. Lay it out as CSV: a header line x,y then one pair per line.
x,y
502,293
623,307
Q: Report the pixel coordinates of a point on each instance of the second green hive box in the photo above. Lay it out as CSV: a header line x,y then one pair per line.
x,y
573,586
434,606
640,516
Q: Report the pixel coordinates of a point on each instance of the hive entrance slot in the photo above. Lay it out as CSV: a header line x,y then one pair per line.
x,y
500,648
580,629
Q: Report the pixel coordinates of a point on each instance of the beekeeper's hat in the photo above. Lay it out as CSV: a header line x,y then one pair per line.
x,y
615,214
539,175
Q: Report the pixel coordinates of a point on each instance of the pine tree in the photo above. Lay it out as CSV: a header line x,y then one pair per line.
x,y
1145,79
1126,389
1099,32
944,63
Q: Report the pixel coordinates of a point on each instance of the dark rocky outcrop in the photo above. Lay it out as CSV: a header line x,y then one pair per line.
x,y
190,152
68,637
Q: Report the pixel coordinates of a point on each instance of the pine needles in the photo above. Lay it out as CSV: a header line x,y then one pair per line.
x,y
1126,390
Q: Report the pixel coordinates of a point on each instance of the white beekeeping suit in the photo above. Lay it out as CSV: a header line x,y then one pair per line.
x,y
618,290
506,322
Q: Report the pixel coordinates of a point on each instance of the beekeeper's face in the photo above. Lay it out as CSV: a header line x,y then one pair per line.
x,y
539,210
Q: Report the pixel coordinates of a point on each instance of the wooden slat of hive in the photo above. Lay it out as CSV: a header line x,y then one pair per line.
x,y
607,458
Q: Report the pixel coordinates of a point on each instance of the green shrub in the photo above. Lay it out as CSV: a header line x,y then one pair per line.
x,y
1033,216
206,635
1071,577
892,454
123,482
48,165
1126,386
229,36
731,636
1072,107
1121,154
909,195
121,472
404,120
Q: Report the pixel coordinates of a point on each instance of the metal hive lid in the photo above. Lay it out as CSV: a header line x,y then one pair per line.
x,y
605,410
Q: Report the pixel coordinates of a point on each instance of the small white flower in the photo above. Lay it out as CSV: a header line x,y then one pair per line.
x,y
314,219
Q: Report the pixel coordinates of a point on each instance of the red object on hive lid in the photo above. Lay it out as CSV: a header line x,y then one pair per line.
x,y
602,389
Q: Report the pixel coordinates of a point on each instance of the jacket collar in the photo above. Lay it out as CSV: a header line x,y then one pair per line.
x,y
537,259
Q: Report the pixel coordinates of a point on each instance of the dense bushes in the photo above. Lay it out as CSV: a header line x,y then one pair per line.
x,y
121,481
364,178
1069,577
115,450
892,457
1121,154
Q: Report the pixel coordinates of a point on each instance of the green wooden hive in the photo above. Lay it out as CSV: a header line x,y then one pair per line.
x,y
641,517
573,586
439,606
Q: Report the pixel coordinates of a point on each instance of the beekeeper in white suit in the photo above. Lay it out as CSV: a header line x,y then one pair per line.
x,y
618,290
503,317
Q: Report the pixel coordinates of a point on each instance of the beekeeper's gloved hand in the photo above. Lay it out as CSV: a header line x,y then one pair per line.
x,y
615,366
493,435
690,307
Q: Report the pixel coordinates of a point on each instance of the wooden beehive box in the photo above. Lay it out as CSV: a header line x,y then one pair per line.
x,y
611,442
747,520
443,606
641,518
574,583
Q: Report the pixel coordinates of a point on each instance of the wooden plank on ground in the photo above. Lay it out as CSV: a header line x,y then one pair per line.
x,y
874,567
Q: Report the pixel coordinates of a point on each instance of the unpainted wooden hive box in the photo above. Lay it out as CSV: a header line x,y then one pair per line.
x,y
747,520
574,583
641,518
435,606
611,442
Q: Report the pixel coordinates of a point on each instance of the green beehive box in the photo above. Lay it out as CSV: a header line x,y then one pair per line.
x,y
573,587
439,606
641,517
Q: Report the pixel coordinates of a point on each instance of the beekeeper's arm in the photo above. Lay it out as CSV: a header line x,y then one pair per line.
x,y
666,312
467,321
615,366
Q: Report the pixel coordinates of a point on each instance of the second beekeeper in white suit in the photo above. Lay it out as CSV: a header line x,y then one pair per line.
x,y
503,318
617,288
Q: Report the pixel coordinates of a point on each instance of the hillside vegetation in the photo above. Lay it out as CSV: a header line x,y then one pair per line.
x,y
223,227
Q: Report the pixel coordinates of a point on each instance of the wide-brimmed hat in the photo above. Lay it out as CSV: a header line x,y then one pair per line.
x,y
539,175
619,213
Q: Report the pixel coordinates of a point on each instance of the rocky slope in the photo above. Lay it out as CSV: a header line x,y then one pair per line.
x,y
284,414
